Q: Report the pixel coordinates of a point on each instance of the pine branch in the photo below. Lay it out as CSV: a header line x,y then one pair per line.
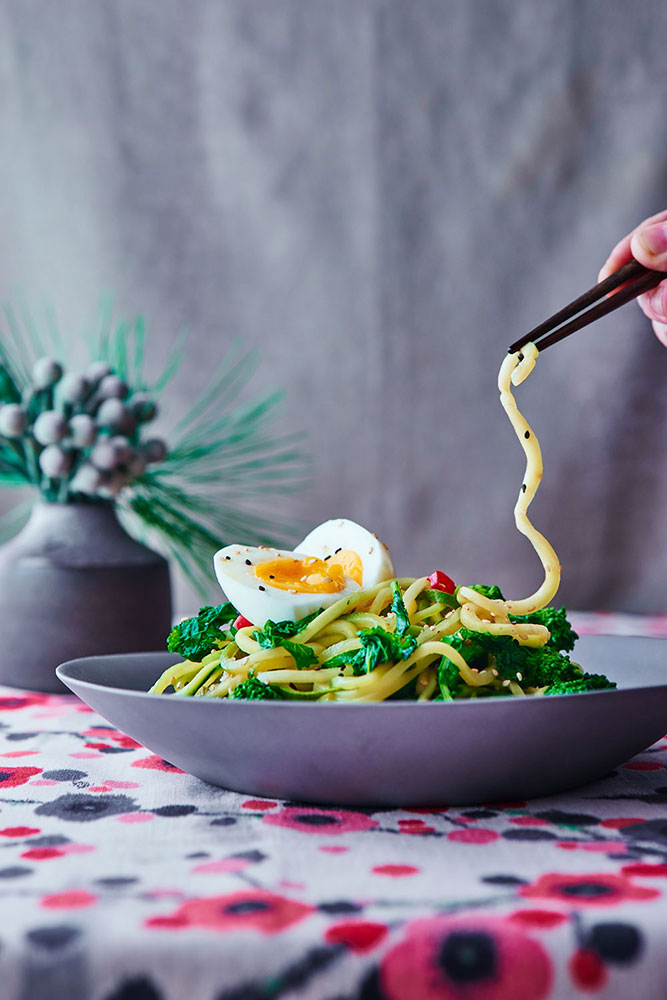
x,y
226,465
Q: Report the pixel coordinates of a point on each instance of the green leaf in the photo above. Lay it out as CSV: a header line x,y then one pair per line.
x,y
398,608
255,690
195,637
493,593
450,682
530,666
303,655
377,646
562,635
275,634
586,682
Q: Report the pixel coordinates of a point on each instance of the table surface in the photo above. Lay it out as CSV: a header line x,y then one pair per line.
x,y
122,878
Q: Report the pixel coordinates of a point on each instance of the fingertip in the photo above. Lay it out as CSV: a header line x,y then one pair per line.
x,y
659,302
605,271
649,246
619,256
654,303
640,252
645,304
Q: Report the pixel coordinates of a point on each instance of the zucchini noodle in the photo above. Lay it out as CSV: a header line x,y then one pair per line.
x,y
392,639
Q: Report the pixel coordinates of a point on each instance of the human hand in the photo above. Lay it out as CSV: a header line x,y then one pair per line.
x,y
647,243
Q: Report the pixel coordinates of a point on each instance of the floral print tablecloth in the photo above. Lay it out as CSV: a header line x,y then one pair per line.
x,y
122,878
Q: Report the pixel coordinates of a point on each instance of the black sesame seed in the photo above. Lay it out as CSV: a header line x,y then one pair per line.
x,y
527,434
327,557
340,549
271,576
520,356
248,562
523,487
261,587
228,557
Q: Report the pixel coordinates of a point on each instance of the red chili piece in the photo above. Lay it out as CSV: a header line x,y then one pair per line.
x,y
242,622
440,581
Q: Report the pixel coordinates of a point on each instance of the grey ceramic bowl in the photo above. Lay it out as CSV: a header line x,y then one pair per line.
x,y
396,753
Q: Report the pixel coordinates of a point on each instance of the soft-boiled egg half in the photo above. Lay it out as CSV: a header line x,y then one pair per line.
x,y
337,558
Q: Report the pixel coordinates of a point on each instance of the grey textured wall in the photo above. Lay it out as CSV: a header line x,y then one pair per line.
x,y
381,195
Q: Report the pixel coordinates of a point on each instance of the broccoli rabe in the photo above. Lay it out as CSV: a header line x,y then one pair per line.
x,y
563,636
470,645
255,690
377,646
527,665
449,680
477,647
194,638
398,608
276,634
585,682
493,593
546,666
273,632
302,654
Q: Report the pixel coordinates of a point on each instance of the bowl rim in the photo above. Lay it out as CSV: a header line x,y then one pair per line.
x,y
63,672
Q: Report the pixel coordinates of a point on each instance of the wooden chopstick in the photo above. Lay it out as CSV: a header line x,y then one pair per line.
x,y
637,279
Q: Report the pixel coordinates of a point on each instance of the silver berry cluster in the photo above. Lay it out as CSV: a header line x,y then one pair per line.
x,y
84,429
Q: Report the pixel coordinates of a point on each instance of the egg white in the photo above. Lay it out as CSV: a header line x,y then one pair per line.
x,y
340,533
256,599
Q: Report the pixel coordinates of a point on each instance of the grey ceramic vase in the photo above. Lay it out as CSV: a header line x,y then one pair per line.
x,y
74,583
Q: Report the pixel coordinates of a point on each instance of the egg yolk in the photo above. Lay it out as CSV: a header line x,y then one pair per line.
x,y
311,575
350,563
